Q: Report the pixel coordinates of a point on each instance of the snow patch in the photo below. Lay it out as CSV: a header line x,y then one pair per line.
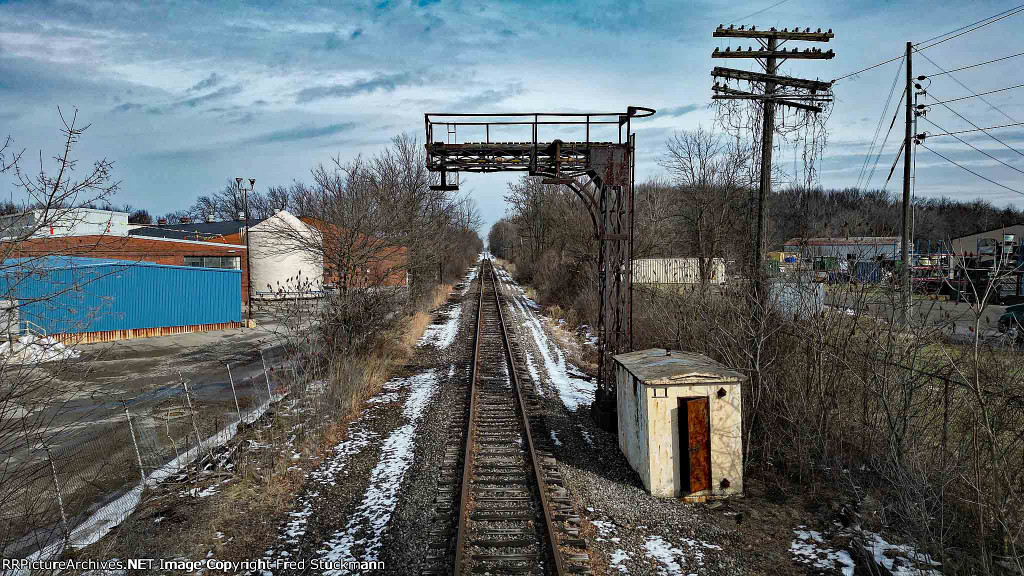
x,y
808,548
554,438
586,436
617,559
442,334
574,389
665,554
468,280
366,526
673,559
900,559
31,349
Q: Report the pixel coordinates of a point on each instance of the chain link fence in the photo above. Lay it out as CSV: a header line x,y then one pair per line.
x,y
72,490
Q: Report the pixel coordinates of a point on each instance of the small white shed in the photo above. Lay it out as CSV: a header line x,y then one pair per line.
x,y
680,423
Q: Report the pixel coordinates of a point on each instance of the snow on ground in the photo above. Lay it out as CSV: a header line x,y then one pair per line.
x,y
586,435
361,537
666,555
617,559
554,438
534,375
359,437
442,333
468,280
588,338
573,387
809,548
673,559
900,559
29,349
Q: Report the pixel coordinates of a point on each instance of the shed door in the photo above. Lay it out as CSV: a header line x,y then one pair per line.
x,y
695,440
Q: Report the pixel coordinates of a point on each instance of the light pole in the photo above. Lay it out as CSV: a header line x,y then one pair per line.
x,y
248,261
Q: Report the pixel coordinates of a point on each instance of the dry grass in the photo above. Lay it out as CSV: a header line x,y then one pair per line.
x,y
261,488
419,321
509,266
530,292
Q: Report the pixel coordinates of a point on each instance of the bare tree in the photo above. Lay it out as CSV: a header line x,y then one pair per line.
x,y
36,374
712,178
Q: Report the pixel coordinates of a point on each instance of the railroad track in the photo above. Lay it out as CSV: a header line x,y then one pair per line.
x,y
501,507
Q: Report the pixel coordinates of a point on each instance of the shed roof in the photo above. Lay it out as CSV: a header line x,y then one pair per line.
x,y
64,262
1017,226
192,230
846,241
655,366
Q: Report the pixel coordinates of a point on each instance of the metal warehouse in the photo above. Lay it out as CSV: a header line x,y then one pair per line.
x,y
94,300
676,270
849,248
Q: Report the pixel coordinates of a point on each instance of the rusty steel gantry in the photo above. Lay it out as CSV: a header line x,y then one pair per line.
x,y
600,172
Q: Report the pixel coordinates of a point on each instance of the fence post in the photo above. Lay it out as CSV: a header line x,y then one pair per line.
x,y
233,393
131,428
267,376
192,415
60,499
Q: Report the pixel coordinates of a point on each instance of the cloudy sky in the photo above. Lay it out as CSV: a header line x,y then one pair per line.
x,y
182,96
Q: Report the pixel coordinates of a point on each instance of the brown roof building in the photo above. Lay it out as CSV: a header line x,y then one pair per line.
x,y
167,251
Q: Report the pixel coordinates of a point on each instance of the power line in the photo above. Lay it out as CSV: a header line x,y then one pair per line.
x,y
993,106
869,68
970,25
882,147
971,171
878,129
994,18
991,20
992,136
1010,166
972,65
977,95
759,11
974,130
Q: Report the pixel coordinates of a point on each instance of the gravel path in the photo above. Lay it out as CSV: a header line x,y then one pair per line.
x,y
370,498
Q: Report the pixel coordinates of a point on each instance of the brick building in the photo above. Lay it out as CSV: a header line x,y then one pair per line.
x,y
168,251
376,263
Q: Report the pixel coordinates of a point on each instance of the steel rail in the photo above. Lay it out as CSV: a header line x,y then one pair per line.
x,y
467,463
538,473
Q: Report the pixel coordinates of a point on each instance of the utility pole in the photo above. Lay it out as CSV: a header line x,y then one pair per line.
x,y
796,93
907,152
767,135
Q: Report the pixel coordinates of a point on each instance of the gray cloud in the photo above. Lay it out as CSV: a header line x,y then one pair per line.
x,y
127,107
300,133
381,83
678,110
191,102
295,134
474,101
215,95
209,82
245,118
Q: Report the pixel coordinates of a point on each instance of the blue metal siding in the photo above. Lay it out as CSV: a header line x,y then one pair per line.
x,y
71,295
